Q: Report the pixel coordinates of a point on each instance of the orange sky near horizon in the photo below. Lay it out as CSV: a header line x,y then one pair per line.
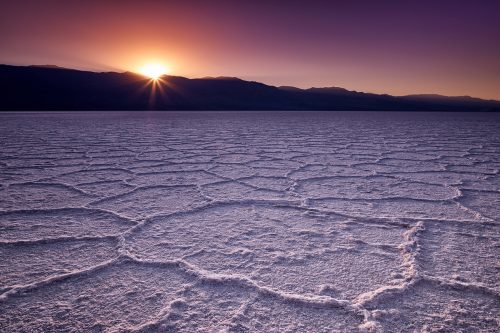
x,y
385,48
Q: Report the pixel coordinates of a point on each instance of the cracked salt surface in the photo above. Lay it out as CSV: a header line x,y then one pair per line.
x,y
249,222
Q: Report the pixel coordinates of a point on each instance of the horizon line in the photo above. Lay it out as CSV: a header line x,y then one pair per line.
x,y
123,71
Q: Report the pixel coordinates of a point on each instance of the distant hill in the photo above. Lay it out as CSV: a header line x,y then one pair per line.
x,y
55,88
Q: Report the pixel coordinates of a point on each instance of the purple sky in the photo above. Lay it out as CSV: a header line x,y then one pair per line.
x,y
396,47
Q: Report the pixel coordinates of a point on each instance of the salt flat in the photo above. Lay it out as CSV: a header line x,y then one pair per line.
x,y
249,222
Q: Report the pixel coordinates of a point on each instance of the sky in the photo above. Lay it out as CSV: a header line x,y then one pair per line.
x,y
395,47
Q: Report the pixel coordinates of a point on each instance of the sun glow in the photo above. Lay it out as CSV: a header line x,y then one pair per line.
x,y
153,70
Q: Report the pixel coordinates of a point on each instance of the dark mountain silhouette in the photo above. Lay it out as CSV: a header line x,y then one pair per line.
x,y
56,88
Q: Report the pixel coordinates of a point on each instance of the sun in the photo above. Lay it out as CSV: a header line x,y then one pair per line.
x,y
153,70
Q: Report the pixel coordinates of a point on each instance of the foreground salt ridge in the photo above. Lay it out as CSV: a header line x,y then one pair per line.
x,y
254,225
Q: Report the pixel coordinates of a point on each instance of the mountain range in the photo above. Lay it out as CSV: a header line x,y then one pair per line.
x,y
54,88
